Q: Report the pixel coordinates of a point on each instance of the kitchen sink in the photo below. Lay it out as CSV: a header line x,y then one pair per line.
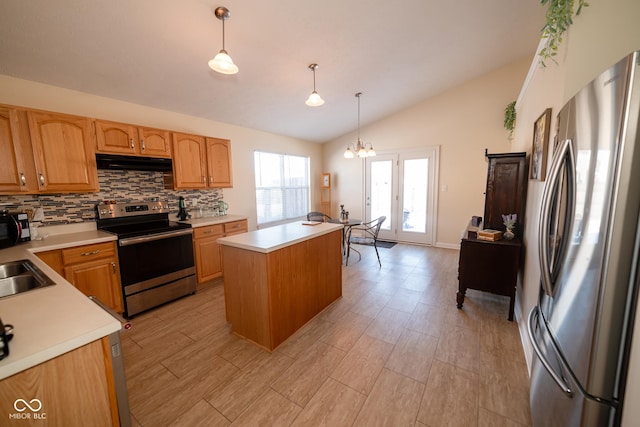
x,y
21,276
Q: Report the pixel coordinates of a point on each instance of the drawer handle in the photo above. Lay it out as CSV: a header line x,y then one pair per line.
x,y
97,251
144,147
133,145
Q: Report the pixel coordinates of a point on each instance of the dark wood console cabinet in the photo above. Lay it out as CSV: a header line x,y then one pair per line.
x,y
493,266
489,267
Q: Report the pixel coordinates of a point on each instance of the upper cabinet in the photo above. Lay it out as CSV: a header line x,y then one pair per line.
x,y
120,138
219,162
200,162
64,152
16,175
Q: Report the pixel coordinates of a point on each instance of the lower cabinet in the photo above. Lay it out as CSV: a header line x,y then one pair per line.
x,y
75,388
93,269
207,251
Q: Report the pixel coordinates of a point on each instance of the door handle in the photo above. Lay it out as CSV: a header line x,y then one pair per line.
x,y
534,316
564,152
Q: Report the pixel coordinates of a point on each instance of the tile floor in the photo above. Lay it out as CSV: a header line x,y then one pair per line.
x,y
394,351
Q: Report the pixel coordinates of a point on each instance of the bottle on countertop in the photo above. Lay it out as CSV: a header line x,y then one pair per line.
x,y
182,209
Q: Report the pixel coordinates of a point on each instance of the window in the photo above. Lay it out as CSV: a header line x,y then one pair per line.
x,y
282,186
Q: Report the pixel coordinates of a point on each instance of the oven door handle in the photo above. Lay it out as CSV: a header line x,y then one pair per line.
x,y
150,238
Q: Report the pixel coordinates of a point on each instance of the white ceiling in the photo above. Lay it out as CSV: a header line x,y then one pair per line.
x,y
155,53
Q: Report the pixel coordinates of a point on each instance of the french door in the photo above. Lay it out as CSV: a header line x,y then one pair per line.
x,y
402,187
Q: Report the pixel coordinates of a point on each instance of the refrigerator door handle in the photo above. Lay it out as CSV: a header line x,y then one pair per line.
x,y
566,148
533,317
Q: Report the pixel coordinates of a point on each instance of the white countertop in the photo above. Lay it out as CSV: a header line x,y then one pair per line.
x,y
211,220
55,319
270,239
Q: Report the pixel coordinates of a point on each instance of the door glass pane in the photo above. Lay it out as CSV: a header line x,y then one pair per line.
x,y
414,201
381,187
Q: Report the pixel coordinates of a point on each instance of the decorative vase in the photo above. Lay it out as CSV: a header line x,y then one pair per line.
x,y
508,235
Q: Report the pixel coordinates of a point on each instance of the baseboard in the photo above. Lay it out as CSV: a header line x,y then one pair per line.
x,y
455,246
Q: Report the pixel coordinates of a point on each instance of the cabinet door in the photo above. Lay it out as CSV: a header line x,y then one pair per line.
x,y
189,165
219,162
116,138
99,278
506,189
13,176
207,252
53,259
155,142
64,152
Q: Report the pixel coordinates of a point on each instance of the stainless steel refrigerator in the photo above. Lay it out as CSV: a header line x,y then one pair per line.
x,y
589,240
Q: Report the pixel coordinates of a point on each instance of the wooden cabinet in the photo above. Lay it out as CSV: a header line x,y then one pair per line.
x,y
200,162
131,140
75,388
15,175
93,269
64,152
506,189
489,267
493,266
207,252
219,162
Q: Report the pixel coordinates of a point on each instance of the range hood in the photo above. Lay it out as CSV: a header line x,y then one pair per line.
x,y
112,161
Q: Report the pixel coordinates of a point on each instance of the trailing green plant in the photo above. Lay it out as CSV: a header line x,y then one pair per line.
x,y
510,118
560,15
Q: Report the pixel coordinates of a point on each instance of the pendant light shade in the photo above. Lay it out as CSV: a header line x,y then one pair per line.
x,y
222,62
314,99
360,149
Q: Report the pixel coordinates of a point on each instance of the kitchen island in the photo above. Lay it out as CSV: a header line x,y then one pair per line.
x,y
277,279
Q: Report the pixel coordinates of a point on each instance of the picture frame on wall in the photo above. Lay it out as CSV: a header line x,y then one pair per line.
x,y
326,180
539,149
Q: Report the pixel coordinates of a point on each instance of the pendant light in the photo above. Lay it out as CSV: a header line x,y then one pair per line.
x,y
314,99
361,150
222,62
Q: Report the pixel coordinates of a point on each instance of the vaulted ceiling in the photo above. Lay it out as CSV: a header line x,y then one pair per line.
x,y
155,53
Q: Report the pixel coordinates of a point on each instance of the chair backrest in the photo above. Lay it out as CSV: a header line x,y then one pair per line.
x,y
318,216
371,228
378,225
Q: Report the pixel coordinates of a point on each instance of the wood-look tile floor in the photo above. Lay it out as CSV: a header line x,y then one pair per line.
x,y
393,351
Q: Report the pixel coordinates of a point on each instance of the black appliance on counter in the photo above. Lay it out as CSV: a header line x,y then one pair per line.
x,y
14,228
155,254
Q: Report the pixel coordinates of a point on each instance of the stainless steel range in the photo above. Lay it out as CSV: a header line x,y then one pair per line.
x,y
155,254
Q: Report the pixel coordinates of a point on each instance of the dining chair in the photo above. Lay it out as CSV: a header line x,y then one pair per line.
x,y
368,235
318,216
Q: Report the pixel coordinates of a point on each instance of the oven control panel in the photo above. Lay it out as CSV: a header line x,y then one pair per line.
x,y
120,210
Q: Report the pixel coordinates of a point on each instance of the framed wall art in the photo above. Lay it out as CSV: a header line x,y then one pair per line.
x,y
539,150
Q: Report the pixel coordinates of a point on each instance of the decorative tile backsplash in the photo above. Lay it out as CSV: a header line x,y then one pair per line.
x,y
114,185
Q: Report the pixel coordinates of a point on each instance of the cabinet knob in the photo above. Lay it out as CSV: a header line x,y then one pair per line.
x,y
23,179
41,179
204,179
113,267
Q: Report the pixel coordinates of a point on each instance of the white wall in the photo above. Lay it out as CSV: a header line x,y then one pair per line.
x,y
244,141
463,121
603,34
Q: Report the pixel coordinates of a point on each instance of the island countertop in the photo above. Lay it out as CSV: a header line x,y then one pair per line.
x,y
267,240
